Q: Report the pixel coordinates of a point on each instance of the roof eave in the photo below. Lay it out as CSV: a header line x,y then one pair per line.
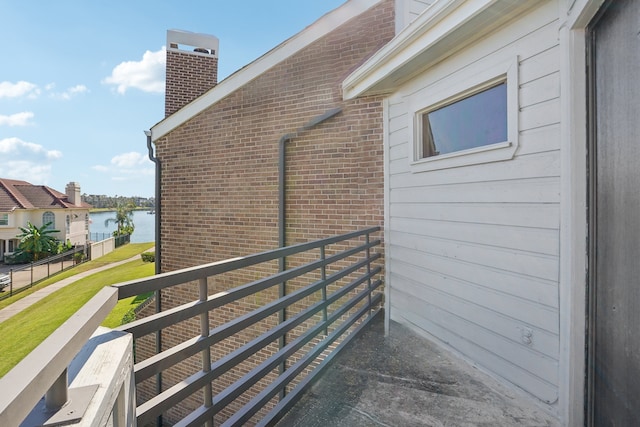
x,y
304,38
441,30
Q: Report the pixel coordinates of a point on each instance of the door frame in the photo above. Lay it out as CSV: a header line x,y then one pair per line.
x,y
575,18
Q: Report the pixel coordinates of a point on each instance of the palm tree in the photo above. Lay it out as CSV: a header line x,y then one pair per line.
x,y
123,219
35,242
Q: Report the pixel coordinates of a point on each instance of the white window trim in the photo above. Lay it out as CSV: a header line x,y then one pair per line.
x,y
5,215
451,89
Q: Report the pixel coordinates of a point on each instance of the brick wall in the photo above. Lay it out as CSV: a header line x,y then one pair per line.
x,y
220,170
189,75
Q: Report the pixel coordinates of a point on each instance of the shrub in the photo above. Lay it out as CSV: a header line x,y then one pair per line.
x,y
129,316
148,256
78,257
16,258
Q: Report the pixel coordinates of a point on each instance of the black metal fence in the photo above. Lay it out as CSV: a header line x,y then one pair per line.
x,y
24,276
122,240
97,237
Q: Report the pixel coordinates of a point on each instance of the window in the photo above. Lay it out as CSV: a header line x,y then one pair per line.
x,y
49,218
475,121
4,219
468,117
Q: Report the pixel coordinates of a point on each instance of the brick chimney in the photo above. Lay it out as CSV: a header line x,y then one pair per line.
x,y
192,68
73,193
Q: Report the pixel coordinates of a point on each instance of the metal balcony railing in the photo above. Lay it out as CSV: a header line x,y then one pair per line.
x,y
258,346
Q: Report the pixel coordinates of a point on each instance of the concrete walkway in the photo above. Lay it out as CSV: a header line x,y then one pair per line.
x,y
29,300
406,380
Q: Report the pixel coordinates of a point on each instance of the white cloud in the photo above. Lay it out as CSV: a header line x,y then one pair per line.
x,y
69,93
129,160
26,170
29,161
32,91
19,89
127,167
78,89
18,147
18,119
146,75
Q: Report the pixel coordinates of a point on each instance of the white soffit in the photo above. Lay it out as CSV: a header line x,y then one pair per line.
x,y
442,29
286,49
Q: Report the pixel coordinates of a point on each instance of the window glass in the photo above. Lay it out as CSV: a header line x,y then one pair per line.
x,y
475,121
49,217
4,219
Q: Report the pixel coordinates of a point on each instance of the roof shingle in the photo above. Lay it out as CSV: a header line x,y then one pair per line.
x,y
15,194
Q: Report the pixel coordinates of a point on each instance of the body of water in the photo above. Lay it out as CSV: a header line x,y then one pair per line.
x,y
144,222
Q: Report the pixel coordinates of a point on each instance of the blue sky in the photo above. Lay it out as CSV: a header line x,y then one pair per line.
x,y
80,80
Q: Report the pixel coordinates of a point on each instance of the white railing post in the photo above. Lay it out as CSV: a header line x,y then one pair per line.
x,y
58,394
44,371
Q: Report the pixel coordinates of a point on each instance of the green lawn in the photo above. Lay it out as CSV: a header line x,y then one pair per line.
x,y
24,331
120,254
123,307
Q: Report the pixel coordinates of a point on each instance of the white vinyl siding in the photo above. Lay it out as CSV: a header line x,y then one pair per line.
x,y
473,251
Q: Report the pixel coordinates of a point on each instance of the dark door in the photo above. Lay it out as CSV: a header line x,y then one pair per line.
x,y
615,216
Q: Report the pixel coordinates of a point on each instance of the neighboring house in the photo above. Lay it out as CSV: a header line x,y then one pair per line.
x,y
22,202
493,139
511,142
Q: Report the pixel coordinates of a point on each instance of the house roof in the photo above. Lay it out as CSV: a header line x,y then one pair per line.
x,y
304,38
15,194
439,31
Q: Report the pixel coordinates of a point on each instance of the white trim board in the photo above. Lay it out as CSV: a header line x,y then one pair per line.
x,y
441,30
573,267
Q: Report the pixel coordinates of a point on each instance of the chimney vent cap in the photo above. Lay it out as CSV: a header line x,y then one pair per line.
x,y
197,43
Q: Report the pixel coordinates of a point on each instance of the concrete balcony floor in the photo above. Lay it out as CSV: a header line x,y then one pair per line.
x,y
406,380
